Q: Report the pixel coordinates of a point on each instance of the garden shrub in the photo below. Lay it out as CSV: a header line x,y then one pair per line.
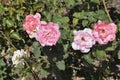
x,y
59,40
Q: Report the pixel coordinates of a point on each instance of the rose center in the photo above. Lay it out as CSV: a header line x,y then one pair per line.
x,y
103,31
83,39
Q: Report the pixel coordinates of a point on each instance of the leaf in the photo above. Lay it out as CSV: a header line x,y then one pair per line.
x,y
36,44
77,15
96,1
2,63
79,0
64,34
100,15
90,14
118,25
49,16
100,54
37,52
92,19
84,23
65,56
18,17
2,8
110,48
60,65
118,54
75,21
15,35
69,2
65,47
21,1
65,19
43,73
36,49
9,22
88,58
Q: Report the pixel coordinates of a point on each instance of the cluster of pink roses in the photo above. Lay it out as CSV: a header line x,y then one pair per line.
x,y
46,33
102,33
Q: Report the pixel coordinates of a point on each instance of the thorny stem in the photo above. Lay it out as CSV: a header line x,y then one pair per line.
x,y
8,40
106,11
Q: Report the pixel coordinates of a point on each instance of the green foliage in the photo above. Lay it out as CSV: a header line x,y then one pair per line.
x,y
60,61
87,18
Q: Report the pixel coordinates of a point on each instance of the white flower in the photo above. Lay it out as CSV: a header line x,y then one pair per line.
x,y
18,57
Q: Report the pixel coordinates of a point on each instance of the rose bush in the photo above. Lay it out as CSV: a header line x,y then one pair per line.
x,y
59,40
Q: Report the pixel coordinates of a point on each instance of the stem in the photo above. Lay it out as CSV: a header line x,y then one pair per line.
x,y
8,40
74,67
34,74
106,11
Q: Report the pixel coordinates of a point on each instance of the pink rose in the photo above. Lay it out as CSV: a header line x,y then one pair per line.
x,y
83,40
104,32
31,22
34,32
48,34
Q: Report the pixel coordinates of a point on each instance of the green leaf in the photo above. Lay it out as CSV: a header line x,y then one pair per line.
x,y
2,63
96,1
48,16
100,15
69,2
15,35
84,23
64,34
100,54
65,19
2,8
65,47
60,65
37,52
36,44
9,22
78,15
118,54
79,1
65,56
90,14
88,58
36,49
18,17
92,19
20,11
21,1
110,48
75,21
118,26
43,73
